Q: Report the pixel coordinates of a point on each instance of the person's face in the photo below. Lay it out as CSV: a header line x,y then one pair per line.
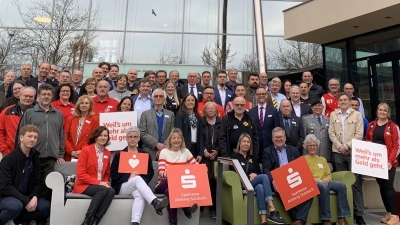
x,y
161,78
211,111
274,87
349,89
152,78
198,79
307,77
9,77
65,78
333,85
304,88
133,139
90,87
245,144
102,139
174,76
344,102
170,89
287,86
98,74
317,109
26,98
26,71
29,139
239,105
85,105
206,78
121,83
190,102
209,94
279,139
65,92
254,82
312,148
16,90
132,75
382,112
53,71
285,108
158,98
295,94
144,88
126,105
355,105
44,69
233,74
176,140
102,89
240,91
192,78
77,77
105,69
263,79
261,95
113,73
221,79
45,97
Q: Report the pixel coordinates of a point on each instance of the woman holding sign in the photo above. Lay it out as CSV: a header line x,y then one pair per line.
x,y
384,131
259,181
322,175
176,153
135,184
79,127
93,176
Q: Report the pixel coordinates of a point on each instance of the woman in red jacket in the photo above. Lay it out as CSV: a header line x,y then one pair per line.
x,y
79,127
385,131
93,176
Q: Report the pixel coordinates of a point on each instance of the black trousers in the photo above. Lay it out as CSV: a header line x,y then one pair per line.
x,y
46,167
388,193
213,190
102,198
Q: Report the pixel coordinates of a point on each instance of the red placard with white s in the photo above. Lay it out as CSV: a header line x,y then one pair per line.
x,y
133,162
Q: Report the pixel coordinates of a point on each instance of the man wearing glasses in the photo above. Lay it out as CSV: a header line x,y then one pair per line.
x,y
161,78
209,94
191,87
330,100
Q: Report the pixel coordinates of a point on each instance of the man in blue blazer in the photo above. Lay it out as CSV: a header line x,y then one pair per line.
x,y
223,94
265,123
280,154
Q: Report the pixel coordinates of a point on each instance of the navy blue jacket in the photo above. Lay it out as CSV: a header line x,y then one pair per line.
x,y
182,122
229,96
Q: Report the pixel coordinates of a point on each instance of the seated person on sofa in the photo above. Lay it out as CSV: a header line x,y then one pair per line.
x,y
20,182
280,154
322,174
93,175
135,184
260,182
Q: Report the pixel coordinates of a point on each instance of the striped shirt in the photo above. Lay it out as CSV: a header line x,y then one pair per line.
x,y
168,157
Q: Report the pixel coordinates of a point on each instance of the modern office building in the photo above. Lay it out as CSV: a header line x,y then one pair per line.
x,y
361,45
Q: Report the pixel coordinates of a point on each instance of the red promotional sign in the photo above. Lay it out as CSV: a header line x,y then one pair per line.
x,y
295,183
133,162
189,184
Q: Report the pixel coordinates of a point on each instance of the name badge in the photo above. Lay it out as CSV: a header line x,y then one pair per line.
x,y
174,103
229,96
110,106
269,115
337,121
166,116
320,166
327,125
87,121
242,164
235,127
293,122
200,92
106,157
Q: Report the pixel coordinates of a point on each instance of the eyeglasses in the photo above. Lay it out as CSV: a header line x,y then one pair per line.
x,y
261,94
278,137
208,93
17,89
158,96
28,96
312,146
133,137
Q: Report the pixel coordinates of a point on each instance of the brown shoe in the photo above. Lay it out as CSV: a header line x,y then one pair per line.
x,y
327,222
394,220
342,221
386,218
297,222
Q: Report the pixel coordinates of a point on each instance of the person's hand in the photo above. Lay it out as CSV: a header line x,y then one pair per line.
x,y
252,176
214,154
342,149
389,166
346,153
207,154
77,153
198,159
134,174
60,160
31,207
105,184
160,146
274,185
158,154
325,181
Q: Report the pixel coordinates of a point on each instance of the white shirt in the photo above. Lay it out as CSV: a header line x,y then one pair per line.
x,y
194,134
194,90
222,94
344,116
296,109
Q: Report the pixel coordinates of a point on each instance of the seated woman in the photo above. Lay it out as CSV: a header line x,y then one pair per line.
x,y
135,184
260,182
125,105
79,127
176,153
93,176
322,174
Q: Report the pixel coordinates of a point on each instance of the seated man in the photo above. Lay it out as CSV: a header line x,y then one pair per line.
x,y
280,154
20,182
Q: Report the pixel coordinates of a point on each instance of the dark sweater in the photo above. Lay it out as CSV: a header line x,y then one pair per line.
x,y
252,160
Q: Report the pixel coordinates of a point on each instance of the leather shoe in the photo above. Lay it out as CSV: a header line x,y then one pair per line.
x,y
360,220
173,223
135,223
342,221
327,222
160,205
88,220
188,211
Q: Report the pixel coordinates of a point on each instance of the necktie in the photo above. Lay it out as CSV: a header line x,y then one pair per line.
x,y
287,126
319,120
191,90
275,103
261,116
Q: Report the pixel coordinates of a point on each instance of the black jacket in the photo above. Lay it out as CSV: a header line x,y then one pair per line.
x,y
182,122
11,170
296,136
210,144
316,91
270,160
117,179
33,82
249,164
304,110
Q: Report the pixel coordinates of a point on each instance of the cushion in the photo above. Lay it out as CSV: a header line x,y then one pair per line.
x,y
82,196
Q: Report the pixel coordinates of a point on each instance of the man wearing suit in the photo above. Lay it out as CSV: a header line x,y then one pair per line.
x,y
155,125
223,94
266,119
299,109
318,124
191,87
292,125
36,82
280,154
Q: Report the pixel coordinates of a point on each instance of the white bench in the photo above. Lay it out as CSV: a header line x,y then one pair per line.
x,y
71,208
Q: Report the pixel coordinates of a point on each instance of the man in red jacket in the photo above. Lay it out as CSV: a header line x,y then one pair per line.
x,y
209,95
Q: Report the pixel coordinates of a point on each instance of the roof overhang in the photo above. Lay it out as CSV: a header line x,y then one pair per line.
x,y
324,21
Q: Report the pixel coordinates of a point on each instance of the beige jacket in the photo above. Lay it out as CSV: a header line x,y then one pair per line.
x,y
353,129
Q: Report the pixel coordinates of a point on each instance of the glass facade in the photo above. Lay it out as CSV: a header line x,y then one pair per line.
x,y
69,33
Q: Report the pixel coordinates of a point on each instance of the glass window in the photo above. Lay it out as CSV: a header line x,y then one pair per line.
x,y
336,62
160,15
30,12
107,47
273,51
272,12
239,17
193,52
240,47
108,15
201,16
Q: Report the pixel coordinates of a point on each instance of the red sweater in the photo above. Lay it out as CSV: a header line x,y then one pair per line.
x,y
331,103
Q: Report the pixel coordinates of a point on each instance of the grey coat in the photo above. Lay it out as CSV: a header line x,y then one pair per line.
x,y
149,129
312,126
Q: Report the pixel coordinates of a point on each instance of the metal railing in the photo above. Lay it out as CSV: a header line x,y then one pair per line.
x,y
246,184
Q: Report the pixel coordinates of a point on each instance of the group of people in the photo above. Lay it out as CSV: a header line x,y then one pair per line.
x,y
267,122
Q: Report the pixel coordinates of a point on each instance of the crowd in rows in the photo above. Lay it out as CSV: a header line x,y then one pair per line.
x,y
54,117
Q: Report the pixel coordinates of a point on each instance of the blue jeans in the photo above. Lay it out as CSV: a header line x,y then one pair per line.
x,y
324,203
13,209
262,188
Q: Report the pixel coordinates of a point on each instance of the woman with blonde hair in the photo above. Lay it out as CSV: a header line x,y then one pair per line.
x,y
79,127
172,100
175,153
260,182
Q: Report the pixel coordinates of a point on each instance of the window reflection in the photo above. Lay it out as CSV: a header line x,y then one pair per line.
x,y
108,47
194,46
110,14
201,16
239,17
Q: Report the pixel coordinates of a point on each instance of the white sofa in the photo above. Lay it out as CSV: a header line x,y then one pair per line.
x,y
70,209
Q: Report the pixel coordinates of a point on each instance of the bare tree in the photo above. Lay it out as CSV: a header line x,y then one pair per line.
x,y
214,55
296,55
167,57
250,62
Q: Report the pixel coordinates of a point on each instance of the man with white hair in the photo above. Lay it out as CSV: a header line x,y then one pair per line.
x,y
274,87
299,109
8,78
26,73
191,87
232,78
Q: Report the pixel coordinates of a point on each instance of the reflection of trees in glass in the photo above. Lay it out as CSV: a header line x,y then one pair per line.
x,y
215,55
53,31
168,57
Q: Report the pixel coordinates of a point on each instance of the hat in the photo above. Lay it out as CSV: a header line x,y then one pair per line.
x,y
316,101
